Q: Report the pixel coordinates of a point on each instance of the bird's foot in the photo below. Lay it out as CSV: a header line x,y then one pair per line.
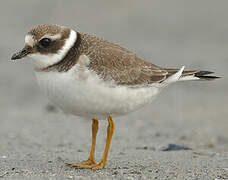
x,y
87,165
98,166
83,165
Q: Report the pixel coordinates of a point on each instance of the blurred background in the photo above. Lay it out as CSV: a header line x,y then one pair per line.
x,y
167,33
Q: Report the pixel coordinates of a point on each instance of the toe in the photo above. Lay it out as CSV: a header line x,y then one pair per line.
x,y
79,166
98,166
89,162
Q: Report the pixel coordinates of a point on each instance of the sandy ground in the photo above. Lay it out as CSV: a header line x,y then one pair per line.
x,y
36,139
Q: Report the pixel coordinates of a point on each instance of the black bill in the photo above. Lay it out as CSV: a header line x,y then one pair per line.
x,y
24,52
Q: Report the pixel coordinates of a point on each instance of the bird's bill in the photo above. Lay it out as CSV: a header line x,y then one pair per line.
x,y
22,53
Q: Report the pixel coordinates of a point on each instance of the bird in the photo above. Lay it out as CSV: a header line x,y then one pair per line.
x,y
93,78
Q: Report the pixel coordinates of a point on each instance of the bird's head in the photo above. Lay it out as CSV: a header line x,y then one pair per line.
x,y
47,44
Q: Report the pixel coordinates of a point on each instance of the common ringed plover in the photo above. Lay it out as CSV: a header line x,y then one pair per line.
x,y
87,76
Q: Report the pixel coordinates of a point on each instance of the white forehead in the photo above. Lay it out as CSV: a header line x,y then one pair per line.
x,y
29,40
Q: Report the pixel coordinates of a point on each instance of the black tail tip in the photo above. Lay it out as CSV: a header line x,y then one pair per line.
x,y
203,75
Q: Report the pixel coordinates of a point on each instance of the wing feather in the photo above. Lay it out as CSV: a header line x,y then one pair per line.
x,y
113,62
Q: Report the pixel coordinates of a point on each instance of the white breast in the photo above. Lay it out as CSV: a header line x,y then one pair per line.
x,y
81,92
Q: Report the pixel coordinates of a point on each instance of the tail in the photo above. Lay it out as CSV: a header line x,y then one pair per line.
x,y
192,75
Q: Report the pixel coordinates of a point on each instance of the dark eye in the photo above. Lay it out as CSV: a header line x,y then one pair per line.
x,y
45,42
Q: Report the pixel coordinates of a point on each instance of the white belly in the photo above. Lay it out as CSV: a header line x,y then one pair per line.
x,y
82,93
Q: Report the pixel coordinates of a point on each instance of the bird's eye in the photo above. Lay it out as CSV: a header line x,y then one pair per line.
x,y
45,42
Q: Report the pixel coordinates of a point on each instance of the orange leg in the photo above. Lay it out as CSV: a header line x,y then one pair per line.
x,y
110,132
91,163
94,137
91,160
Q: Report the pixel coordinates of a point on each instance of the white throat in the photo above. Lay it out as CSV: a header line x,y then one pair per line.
x,y
41,61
